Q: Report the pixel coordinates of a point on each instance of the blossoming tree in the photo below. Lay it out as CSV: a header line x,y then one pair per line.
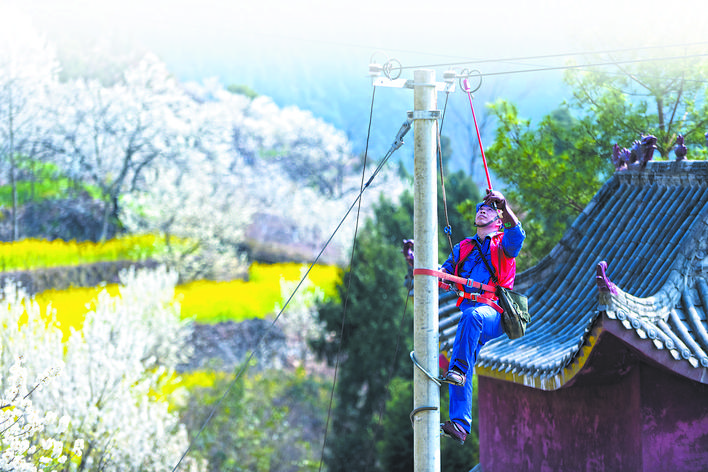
x,y
112,373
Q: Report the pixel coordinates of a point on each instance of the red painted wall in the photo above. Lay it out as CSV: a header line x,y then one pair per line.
x,y
641,419
590,428
674,422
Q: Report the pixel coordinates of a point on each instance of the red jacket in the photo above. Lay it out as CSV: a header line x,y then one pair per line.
x,y
505,277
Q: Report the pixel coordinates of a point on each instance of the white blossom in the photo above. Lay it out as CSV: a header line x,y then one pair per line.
x,y
102,401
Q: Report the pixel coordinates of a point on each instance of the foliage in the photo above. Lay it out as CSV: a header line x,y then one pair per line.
x,y
160,152
28,68
658,97
460,192
253,428
38,180
553,169
298,320
35,253
128,346
109,136
374,298
260,163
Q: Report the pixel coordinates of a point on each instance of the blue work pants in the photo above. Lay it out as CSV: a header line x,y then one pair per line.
x,y
478,325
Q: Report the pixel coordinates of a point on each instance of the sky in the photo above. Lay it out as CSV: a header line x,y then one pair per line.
x,y
420,33
316,53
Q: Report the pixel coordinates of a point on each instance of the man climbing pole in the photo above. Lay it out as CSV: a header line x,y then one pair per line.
x,y
487,257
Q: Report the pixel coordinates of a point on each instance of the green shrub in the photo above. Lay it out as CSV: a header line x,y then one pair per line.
x,y
45,182
267,421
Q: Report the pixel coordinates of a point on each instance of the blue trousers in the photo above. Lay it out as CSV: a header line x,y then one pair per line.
x,y
478,325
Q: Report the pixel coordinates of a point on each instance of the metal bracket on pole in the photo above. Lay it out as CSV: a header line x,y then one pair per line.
x,y
428,374
391,70
424,115
407,83
418,410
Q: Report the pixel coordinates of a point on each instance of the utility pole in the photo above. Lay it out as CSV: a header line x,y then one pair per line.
x,y
426,393
426,385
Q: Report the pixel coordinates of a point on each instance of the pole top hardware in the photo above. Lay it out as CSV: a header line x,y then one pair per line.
x,y
388,74
407,83
424,115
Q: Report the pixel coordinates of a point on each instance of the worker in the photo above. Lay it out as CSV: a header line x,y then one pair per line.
x,y
480,321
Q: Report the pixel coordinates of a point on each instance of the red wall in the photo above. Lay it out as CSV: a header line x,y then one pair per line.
x,y
589,428
674,422
639,419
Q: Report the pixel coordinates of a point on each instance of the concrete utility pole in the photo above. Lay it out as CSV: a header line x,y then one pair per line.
x,y
426,393
426,384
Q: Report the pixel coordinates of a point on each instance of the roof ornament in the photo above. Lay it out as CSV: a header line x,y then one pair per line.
x,y
636,158
680,150
603,282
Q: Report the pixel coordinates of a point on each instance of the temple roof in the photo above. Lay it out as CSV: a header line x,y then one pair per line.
x,y
634,265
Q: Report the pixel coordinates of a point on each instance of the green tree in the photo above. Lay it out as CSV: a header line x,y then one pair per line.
x,y
553,169
552,172
373,343
375,299
459,194
661,98
268,421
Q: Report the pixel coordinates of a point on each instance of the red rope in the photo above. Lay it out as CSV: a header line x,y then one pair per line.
x,y
479,137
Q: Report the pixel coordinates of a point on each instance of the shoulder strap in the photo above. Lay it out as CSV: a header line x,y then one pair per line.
x,y
466,248
490,267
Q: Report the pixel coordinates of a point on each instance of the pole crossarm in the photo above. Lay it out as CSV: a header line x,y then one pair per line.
x,y
407,83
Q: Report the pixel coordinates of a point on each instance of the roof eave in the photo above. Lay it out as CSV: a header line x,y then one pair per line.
x,y
580,366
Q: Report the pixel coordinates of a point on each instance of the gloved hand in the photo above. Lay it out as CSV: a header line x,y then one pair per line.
x,y
495,197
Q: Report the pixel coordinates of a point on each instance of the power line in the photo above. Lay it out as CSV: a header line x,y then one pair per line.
x,y
593,65
546,68
551,56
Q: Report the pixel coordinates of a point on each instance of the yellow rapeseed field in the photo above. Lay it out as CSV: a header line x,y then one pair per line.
x,y
39,253
204,301
237,300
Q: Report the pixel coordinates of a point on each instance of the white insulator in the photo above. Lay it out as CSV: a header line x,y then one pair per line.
x,y
375,69
449,76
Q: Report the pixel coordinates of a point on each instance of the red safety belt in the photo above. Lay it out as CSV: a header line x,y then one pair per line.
x,y
466,282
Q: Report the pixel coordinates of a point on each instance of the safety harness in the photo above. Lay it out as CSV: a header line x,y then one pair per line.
x,y
466,248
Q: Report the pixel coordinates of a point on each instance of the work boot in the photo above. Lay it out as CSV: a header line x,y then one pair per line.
x,y
454,377
454,431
